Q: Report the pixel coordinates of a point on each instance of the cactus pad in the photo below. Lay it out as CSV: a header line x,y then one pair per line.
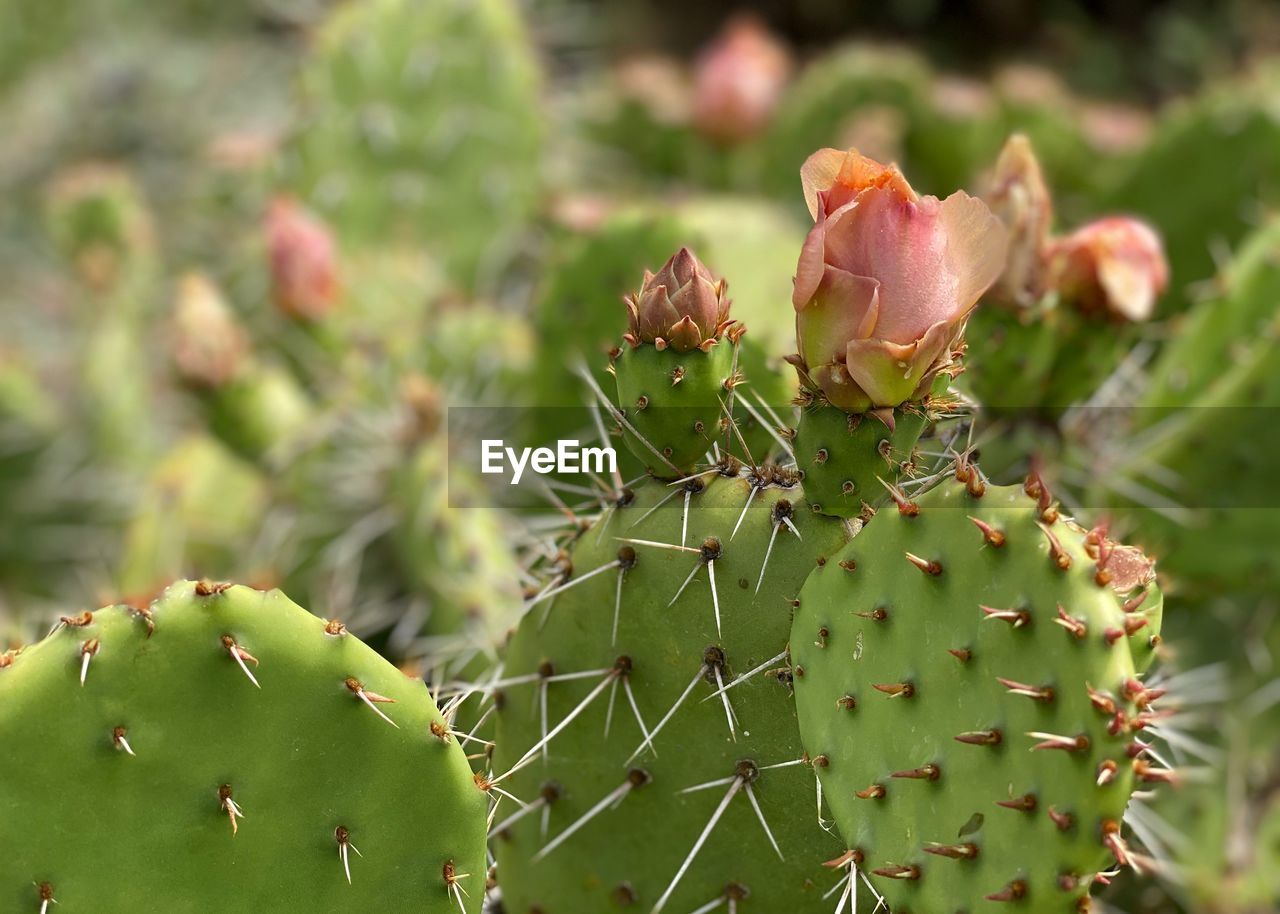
x,y
611,825
224,750
972,715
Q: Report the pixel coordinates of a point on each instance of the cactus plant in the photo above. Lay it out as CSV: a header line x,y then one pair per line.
x,y
215,733
919,691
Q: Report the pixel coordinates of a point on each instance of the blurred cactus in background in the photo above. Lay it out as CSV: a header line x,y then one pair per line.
x,y
818,275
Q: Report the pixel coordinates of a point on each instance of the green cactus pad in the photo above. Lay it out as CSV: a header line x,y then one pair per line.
x,y
630,855
675,401
423,122
847,459
932,657
133,738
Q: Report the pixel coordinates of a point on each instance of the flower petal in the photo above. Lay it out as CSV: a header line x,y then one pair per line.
x,y
977,243
818,173
843,308
890,373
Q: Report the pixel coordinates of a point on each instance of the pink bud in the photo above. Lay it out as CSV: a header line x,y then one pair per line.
x,y
304,269
738,80
1113,266
885,280
1019,196
683,306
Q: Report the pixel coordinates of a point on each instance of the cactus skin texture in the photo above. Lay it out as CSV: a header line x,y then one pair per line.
x,y
630,854
847,459
127,769
864,630
675,401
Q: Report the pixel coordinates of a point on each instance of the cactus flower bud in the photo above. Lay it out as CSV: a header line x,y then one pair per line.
x,y
1019,196
209,346
304,270
682,306
1114,266
885,280
738,81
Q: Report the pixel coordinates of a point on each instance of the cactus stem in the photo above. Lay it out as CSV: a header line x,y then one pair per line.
x,y
1055,741
926,566
1038,693
345,847
736,785
120,740
87,651
550,793
230,807
240,656
990,534
1015,617
371,699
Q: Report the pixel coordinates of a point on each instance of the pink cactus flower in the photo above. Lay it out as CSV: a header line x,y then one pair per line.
x,y
683,306
886,280
1114,266
738,81
304,267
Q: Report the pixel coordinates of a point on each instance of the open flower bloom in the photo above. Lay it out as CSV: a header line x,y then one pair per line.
x,y
1018,195
1114,266
738,81
885,280
682,306
304,270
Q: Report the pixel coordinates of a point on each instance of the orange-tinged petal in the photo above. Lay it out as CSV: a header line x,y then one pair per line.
x,y
832,178
843,308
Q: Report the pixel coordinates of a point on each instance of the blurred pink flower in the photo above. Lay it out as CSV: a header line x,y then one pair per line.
x,y
304,262
1114,266
1019,197
738,81
885,280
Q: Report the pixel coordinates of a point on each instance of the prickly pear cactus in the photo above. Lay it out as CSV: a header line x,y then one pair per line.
x,y
255,756
967,678
646,787
422,120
